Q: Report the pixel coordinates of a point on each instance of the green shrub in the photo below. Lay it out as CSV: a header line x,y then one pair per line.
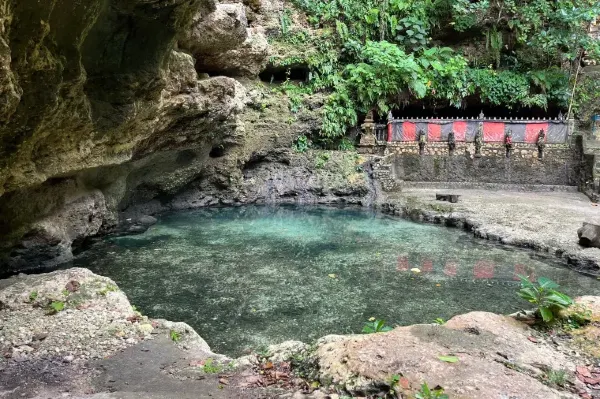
x,y
302,144
428,393
545,295
211,367
55,307
175,336
321,160
375,326
557,377
345,144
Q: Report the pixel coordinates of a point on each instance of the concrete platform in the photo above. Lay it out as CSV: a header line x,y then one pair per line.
x,y
546,221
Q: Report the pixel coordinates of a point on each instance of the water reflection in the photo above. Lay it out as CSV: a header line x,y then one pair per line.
x,y
482,269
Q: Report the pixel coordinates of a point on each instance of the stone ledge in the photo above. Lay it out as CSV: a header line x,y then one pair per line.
x,y
489,186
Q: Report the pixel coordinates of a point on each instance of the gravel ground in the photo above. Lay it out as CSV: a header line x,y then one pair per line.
x,y
544,221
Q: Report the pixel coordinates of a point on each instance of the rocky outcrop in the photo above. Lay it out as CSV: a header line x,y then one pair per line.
x,y
87,93
224,44
247,60
116,111
222,30
75,331
84,83
56,325
490,356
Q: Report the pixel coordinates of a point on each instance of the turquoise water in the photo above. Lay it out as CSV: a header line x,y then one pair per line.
x,y
248,277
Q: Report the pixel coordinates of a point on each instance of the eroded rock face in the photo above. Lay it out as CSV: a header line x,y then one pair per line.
x,y
222,30
84,82
86,86
247,60
108,115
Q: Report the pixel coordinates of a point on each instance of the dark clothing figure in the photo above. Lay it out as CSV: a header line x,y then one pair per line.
x,y
508,143
541,144
422,142
478,142
451,143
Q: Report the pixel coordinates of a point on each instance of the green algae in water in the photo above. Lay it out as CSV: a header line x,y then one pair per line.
x,y
248,277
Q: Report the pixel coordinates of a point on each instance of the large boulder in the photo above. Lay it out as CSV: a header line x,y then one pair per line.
x,y
589,235
247,60
491,356
222,30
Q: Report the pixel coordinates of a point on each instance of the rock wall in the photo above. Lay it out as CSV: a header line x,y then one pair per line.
x,y
118,109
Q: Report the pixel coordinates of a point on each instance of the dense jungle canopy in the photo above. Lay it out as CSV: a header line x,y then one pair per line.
x,y
385,54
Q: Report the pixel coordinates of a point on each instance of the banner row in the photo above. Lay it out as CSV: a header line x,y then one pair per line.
x,y
493,132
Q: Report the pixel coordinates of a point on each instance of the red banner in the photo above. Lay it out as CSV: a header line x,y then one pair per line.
x,y
493,132
460,130
434,132
532,131
409,131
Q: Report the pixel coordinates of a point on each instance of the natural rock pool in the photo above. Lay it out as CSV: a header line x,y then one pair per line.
x,y
248,277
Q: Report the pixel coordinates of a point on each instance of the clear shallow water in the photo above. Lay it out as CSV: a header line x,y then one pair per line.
x,y
248,277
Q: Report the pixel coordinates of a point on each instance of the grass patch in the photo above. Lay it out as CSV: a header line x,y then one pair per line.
x,y
109,288
175,336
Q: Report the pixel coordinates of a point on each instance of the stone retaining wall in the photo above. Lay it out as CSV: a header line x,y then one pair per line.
x,y
561,164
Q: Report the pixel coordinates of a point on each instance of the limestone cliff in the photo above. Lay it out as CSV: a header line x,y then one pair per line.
x,y
114,109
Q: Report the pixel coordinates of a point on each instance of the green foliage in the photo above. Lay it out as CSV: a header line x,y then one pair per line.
x,y
586,101
109,288
55,307
321,160
440,321
375,326
211,367
393,383
545,295
33,296
302,144
576,317
285,21
65,292
412,33
380,54
427,393
448,359
556,377
175,336
345,145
